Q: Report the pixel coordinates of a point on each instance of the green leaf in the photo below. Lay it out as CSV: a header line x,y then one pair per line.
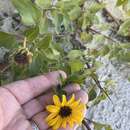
x,y
43,25
104,50
125,45
99,38
66,22
75,13
99,98
86,37
124,29
76,65
73,54
98,126
96,7
124,56
45,42
7,40
29,13
52,54
87,20
35,67
129,78
57,20
43,4
76,78
92,94
121,2
39,64
32,33
65,6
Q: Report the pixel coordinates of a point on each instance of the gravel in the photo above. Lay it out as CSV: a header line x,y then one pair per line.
x,y
117,114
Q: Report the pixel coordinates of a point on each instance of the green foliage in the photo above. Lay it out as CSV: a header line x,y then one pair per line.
x,y
98,126
7,40
96,7
44,43
43,4
75,13
43,25
30,14
74,54
124,28
121,2
32,33
76,65
92,94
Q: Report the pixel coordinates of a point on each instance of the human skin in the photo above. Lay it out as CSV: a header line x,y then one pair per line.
x,y
26,100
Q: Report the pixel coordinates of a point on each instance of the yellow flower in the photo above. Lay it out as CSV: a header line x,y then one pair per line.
x,y
65,113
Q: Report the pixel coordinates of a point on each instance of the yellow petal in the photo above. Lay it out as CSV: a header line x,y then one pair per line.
x,y
58,123
64,100
81,107
77,119
71,122
64,123
56,100
77,113
52,108
53,121
74,120
75,104
71,100
51,116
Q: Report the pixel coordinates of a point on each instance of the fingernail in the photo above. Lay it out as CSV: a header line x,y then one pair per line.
x,y
63,74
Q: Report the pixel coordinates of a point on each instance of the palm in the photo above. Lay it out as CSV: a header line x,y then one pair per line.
x,y
22,101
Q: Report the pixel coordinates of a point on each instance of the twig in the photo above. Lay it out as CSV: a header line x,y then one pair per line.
x,y
5,68
25,42
107,37
76,44
98,83
109,14
86,124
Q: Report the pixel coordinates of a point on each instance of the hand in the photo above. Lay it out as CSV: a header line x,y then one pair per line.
x,y
26,100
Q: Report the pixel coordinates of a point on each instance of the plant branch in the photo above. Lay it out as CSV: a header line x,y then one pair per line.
x,y
25,42
109,14
107,37
95,78
86,124
78,44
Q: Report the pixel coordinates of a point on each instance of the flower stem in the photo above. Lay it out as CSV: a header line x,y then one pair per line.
x,y
25,42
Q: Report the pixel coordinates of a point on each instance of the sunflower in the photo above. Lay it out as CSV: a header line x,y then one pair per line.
x,y
64,112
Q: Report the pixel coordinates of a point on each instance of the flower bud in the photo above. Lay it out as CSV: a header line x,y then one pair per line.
x,y
23,56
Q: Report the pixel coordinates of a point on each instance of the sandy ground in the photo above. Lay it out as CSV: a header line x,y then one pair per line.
x,y
118,113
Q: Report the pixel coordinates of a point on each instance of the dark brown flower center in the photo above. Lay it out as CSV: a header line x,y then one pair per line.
x,y
65,111
21,58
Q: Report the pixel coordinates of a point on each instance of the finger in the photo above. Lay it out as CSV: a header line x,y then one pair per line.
x,y
71,88
82,95
39,119
38,104
67,128
25,90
